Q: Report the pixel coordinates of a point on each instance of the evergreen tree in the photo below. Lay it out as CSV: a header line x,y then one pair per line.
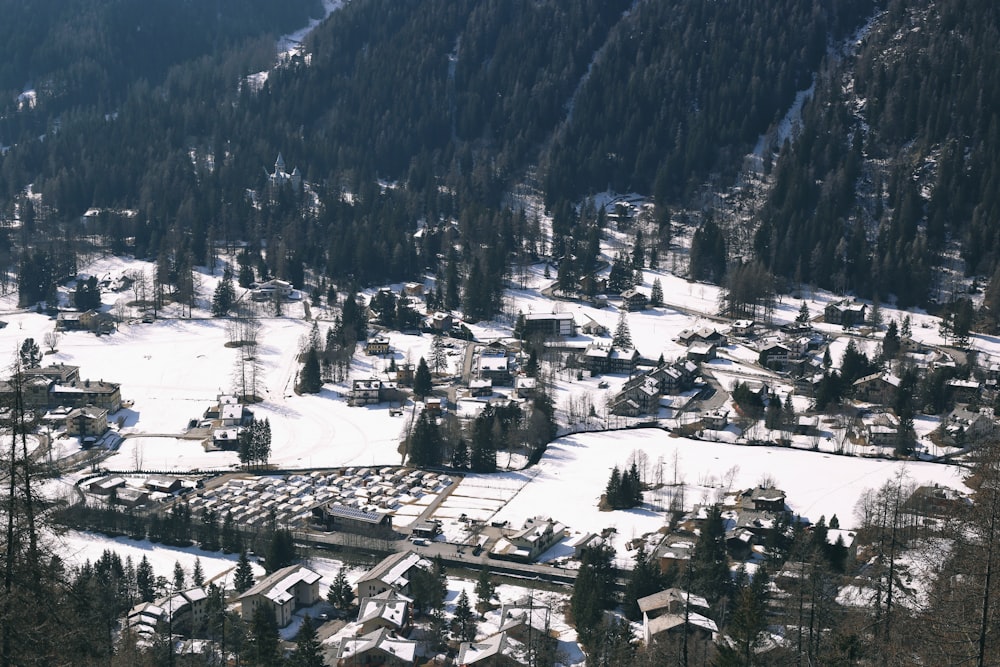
x,y
341,594
622,338
243,577
311,378
145,580
179,576
31,355
709,563
485,589
422,383
439,355
308,651
803,317
425,448
460,455
264,645
656,293
463,623
645,579
280,551
225,294
198,576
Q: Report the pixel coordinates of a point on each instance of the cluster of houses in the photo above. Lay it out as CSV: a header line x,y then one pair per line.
x,y
535,537
384,623
60,385
118,490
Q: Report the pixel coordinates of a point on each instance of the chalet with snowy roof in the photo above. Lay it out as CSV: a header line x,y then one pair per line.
x,y
592,285
60,386
283,592
716,420
365,392
761,499
599,360
545,325
674,551
538,535
441,322
525,387
381,648
742,328
690,337
389,610
87,422
163,483
702,352
497,650
106,485
97,321
337,517
591,327
377,346
393,573
639,397
271,290
877,388
494,364
846,312
965,427
633,300
963,391
675,611
774,356
524,618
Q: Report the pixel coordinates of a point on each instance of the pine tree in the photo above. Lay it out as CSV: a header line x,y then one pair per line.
x,y
622,338
340,595
31,355
425,442
656,293
463,623
439,355
422,383
145,580
612,492
460,455
178,576
243,577
485,589
803,317
264,647
225,294
311,377
198,577
308,651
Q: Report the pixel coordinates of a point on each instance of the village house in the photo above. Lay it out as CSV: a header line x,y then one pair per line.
x,y
538,535
761,499
530,325
633,300
392,573
525,618
494,365
163,483
716,420
774,356
379,648
106,485
965,427
389,610
336,517
283,591
497,650
702,352
598,359
675,611
593,328
688,337
525,387
878,388
641,395
271,290
742,328
674,551
365,392
847,312
442,322
87,422
378,346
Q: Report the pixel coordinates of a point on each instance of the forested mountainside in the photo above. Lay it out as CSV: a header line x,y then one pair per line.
x,y
80,53
898,160
457,102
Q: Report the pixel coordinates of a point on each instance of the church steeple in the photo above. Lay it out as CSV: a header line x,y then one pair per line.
x,y
279,165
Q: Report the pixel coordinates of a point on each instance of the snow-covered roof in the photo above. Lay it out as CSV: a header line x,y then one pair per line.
x,y
278,587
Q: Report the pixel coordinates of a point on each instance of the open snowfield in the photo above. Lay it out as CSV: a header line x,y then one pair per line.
x,y
568,482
